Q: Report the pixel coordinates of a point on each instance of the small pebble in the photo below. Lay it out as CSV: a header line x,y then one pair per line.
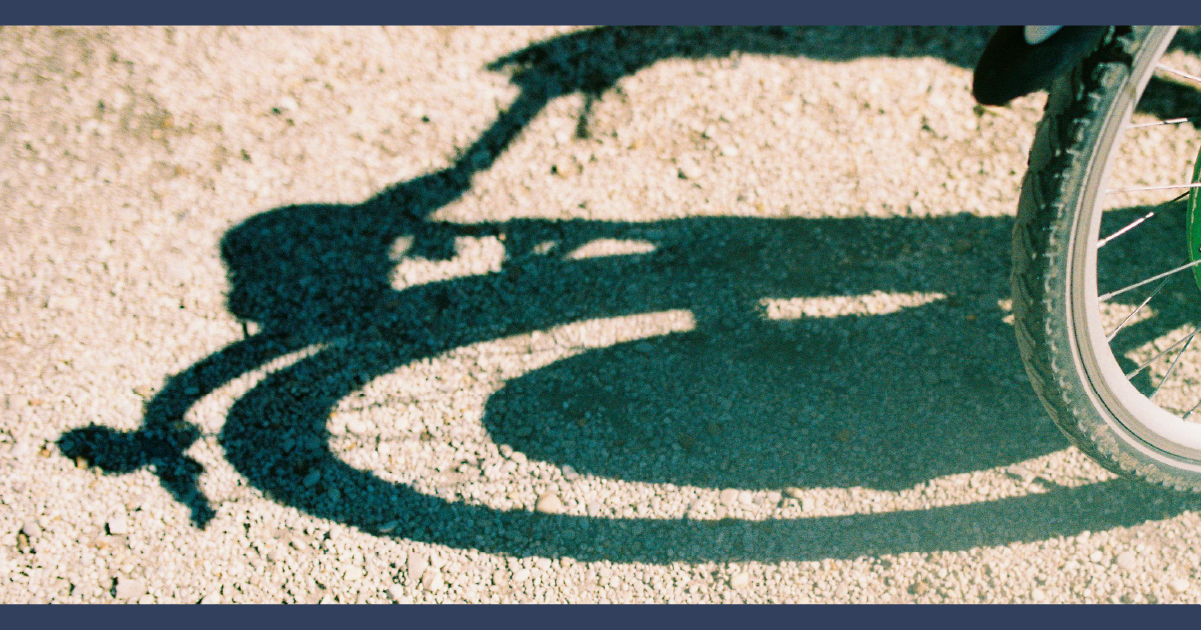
x,y
739,580
1018,471
130,588
500,577
688,169
286,104
729,496
1125,560
548,503
431,580
416,565
1179,585
312,478
180,273
118,525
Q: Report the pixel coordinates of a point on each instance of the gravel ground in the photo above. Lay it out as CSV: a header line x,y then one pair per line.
x,y
531,315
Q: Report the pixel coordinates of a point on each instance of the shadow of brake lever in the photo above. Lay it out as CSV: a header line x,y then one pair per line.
x,y
159,448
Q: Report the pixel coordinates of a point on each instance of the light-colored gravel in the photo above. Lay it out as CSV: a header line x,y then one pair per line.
x,y
643,316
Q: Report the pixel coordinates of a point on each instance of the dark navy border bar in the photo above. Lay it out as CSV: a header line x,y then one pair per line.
x,y
383,617
615,12
932,12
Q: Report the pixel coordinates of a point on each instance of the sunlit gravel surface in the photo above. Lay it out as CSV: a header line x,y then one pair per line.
x,y
429,315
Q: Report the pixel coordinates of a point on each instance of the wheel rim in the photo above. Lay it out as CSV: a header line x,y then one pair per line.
x,y
1159,432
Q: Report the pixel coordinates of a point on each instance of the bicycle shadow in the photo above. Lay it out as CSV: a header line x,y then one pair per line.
x,y
901,384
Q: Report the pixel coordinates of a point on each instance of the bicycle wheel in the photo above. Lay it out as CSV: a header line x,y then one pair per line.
x,y
1106,295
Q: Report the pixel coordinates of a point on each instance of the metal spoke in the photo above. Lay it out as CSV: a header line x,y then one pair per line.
x,y
1165,351
1105,241
1147,188
1113,294
1158,361
1135,312
1101,243
1185,75
1170,121
1174,362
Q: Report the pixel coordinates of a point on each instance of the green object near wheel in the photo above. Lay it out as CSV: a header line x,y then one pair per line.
x,y
1194,221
